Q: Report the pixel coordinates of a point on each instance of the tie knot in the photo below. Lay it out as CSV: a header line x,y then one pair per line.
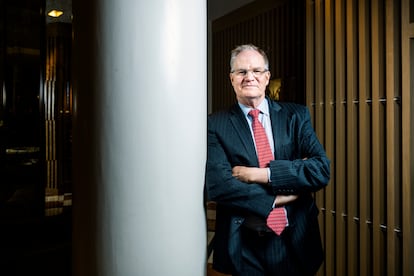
x,y
254,113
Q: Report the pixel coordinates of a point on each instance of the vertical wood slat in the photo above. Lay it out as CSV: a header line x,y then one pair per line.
x,y
319,100
407,135
340,115
50,137
351,138
393,153
58,107
365,153
310,58
378,141
278,44
330,268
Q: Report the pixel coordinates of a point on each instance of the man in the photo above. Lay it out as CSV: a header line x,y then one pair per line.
x,y
246,191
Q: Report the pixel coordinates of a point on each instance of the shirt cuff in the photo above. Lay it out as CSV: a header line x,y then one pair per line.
x,y
274,204
269,175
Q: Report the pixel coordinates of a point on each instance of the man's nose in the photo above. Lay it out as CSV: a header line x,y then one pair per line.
x,y
250,74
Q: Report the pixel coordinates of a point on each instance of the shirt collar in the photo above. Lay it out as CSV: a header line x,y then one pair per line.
x,y
263,107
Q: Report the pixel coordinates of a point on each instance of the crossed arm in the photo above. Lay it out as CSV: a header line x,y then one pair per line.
x,y
260,176
249,187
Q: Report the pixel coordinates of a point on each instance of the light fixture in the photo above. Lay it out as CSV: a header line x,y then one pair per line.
x,y
55,13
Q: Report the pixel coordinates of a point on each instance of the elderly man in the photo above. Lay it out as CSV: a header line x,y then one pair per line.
x,y
264,163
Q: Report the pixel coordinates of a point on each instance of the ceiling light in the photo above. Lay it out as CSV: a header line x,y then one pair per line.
x,y
55,13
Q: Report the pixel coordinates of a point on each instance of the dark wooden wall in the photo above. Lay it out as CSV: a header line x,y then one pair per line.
x,y
57,100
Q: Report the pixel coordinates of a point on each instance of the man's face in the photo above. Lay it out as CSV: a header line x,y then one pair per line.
x,y
249,77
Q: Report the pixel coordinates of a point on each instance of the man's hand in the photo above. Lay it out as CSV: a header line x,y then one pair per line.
x,y
251,174
284,199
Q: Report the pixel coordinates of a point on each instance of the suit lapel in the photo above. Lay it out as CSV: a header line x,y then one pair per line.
x,y
242,129
278,119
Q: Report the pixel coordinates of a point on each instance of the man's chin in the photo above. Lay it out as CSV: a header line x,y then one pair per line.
x,y
253,95
252,87
251,100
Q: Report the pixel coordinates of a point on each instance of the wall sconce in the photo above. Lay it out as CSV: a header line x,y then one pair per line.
x,y
58,11
55,13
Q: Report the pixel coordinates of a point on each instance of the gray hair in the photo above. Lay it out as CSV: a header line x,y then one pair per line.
x,y
246,47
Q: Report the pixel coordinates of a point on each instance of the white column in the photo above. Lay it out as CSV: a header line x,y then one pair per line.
x,y
139,137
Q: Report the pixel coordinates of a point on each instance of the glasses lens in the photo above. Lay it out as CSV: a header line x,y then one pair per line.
x,y
243,72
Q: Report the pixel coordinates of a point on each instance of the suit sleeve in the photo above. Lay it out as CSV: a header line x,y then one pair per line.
x,y
308,168
223,188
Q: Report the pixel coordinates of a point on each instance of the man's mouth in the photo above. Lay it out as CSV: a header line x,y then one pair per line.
x,y
249,86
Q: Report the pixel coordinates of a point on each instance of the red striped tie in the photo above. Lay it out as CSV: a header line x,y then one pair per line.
x,y
264,152
277,218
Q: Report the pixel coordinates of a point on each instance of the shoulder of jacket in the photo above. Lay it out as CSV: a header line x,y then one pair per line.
x,y
289,107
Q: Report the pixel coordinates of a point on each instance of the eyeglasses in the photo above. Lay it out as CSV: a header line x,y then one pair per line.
x,y
244,72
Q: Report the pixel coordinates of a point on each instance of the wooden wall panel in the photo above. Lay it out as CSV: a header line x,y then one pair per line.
x,y
393,121
330,245
364,138
352,102
310,57
57,101
370,49
378,141
407,102
339,171
319,95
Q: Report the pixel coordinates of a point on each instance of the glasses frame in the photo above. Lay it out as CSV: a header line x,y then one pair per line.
x,y
243,72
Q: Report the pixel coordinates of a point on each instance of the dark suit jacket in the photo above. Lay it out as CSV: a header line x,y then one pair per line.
x,y
230,143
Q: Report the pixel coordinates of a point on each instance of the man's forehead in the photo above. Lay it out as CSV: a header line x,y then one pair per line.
x,y
250,57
